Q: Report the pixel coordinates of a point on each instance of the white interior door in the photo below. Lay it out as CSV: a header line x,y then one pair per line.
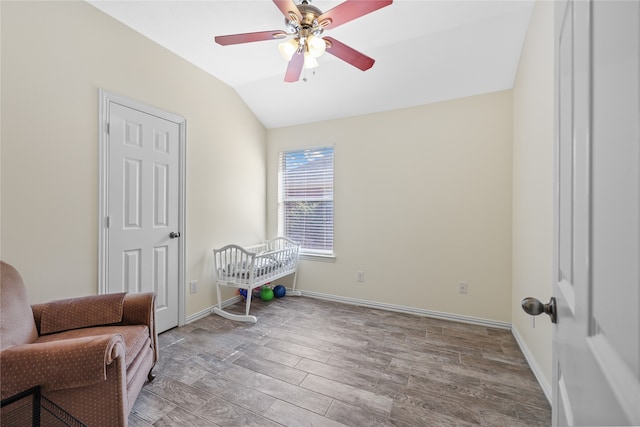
x,y
143,225
597,336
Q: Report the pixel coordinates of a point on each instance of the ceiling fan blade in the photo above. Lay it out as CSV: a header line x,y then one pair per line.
x,y
349,54
250,37
287,7
350,10
294,69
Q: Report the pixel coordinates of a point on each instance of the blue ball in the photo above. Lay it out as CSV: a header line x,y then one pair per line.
x,y
279,291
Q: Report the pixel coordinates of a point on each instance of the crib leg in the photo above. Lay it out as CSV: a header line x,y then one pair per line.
x,y
248,302
293,291
219,297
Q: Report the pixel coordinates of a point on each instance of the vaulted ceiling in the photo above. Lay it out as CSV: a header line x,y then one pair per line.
x,y
425,50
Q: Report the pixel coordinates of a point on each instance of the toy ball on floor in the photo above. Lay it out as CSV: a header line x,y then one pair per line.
x,y
279,291
266,293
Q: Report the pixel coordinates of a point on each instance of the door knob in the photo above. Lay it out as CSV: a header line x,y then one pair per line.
x,y
534,307
174,234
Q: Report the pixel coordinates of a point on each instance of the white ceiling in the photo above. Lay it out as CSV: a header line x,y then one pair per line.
x,y
425,50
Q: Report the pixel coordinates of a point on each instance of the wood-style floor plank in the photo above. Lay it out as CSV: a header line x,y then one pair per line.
x,y
309,362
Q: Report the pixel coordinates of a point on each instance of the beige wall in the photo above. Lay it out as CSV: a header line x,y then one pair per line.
x,y
55,56
533,153
0,137
422,202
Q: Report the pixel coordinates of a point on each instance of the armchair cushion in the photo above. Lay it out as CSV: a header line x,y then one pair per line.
x,y
133,336
76,313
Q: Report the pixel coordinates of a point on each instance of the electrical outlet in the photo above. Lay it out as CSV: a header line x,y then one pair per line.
x,y
463,287
360,277
194,286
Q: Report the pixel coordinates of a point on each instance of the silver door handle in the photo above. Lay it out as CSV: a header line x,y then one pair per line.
x,y
534,307
174,234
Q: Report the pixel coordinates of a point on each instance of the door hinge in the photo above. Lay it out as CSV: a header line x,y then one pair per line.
x,y
107,222
108,128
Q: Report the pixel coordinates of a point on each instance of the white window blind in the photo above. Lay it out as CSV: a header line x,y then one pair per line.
x,y
305,199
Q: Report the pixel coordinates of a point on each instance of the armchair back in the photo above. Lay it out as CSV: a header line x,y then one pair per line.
x,y
17,325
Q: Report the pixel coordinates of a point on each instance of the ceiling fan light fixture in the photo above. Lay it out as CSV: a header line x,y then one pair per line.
x,y
316,45
288,48
310,61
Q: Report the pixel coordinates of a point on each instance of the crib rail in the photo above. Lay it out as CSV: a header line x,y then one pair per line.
x,y
255,265
279,243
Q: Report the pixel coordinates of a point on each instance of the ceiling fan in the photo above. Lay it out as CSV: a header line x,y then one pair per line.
x,y
305,24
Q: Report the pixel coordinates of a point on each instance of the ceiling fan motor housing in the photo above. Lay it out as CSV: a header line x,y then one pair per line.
x,y
309,23
309,15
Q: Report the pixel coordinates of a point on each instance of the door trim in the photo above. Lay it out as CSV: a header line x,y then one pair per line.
x,y
104,98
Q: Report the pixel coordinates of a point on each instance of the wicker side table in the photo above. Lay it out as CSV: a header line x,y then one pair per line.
x,y
31,408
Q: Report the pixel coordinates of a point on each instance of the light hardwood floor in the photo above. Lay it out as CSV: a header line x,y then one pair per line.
x,y
309,362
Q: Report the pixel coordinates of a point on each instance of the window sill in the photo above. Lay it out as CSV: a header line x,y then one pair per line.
x,y
317,257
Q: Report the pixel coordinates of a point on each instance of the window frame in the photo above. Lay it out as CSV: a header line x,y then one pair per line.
x,y
305,252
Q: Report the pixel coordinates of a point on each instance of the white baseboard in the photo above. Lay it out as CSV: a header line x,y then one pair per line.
x,y
409,310
198,315
546,387
373,304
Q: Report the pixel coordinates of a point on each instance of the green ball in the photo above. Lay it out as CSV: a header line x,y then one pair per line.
x,y
266,293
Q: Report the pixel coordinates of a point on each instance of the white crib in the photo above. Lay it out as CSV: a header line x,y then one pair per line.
x,y
254,266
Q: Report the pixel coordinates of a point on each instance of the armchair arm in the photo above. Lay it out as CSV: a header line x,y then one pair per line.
x,y
37,314
140,309
58,365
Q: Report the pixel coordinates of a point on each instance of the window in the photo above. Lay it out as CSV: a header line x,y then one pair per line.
x,y
305,199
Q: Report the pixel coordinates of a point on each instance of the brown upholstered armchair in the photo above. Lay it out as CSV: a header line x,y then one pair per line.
x,y
91,355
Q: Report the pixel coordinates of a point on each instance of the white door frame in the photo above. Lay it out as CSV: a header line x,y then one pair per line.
x,y
104,98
